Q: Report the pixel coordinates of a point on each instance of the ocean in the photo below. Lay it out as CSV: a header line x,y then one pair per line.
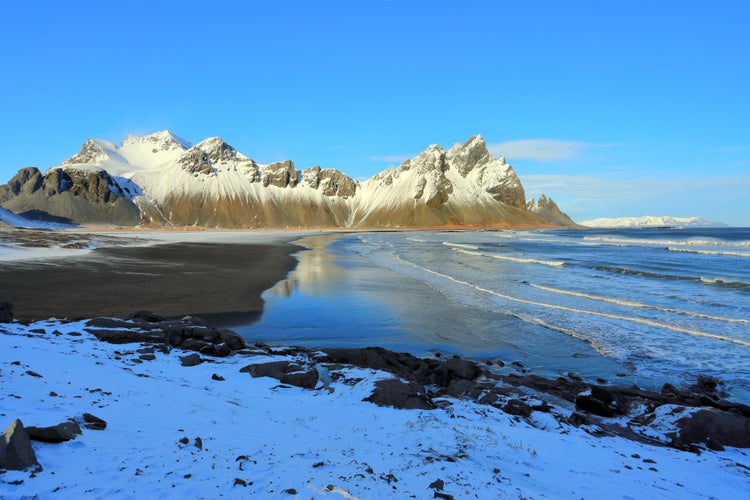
x,y
629,306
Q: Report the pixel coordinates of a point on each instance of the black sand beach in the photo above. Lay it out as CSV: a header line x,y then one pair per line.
x,y
219,282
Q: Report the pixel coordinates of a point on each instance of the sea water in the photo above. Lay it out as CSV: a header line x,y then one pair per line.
x,y
644,306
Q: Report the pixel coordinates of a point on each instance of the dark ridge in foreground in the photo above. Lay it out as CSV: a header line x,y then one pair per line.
x,y
703,418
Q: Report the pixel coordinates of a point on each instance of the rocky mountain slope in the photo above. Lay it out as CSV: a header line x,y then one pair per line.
x,y
160,179
548,210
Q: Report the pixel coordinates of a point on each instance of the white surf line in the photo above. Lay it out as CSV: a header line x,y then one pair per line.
x,y
642,321
523,260
709,252
461,245
639,305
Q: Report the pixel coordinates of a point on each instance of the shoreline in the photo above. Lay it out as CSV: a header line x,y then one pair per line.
x,y
220,281
167,407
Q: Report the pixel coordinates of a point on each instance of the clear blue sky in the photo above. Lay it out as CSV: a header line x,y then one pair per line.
x,y
611,108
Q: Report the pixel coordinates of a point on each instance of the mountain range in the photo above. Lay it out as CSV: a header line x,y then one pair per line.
x,y
650,221
162,180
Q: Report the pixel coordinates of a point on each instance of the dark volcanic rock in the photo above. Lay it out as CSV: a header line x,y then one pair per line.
x,y
517,407
404,365
715,428
595,406
191,360
398,394
285,372
59,433
126,336
232,339
6,312
93,422
16,452
147,316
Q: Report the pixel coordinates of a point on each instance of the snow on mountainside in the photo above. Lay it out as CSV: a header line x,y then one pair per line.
x,y
161,179
651,221
464,185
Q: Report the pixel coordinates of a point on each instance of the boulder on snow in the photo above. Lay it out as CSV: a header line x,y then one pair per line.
x,y
715,428
16,452
59,433
402,395
191,360
93,422
285,372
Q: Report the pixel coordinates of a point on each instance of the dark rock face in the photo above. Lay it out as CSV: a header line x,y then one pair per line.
x,y
517,407
715,428
595,406
196,162
6,312
285,372
398,394
280,174
69,193
334,183
27,180
59,433
16,452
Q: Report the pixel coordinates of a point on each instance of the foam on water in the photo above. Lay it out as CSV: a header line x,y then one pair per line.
x,y
641,308
524,260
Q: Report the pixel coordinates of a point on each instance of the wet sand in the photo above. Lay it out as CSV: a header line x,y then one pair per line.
x,y
220,282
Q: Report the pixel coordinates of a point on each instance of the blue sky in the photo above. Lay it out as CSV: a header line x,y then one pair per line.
x,y
611,108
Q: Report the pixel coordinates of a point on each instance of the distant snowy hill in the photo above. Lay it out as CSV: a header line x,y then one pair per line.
x,y
161,179
8,218
651,221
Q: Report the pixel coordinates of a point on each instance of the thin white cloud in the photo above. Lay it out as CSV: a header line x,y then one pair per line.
x,y
539,149
589,197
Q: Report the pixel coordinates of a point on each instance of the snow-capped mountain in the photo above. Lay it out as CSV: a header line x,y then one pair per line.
x,y
650,221
161,179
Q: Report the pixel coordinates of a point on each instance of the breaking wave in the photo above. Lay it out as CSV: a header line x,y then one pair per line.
x,y
709,252
559,307
696,279
667,242
524,260
638,305
460,245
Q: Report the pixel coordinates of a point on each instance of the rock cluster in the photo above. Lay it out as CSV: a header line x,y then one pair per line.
x,y
702,417
189,333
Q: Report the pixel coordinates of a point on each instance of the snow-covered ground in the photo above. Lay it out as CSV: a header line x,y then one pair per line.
x,y
263,439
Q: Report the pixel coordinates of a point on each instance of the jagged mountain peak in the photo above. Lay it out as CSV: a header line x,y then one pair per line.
x,y
92,151
547,209
217,149
161,141
162,179
465,157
